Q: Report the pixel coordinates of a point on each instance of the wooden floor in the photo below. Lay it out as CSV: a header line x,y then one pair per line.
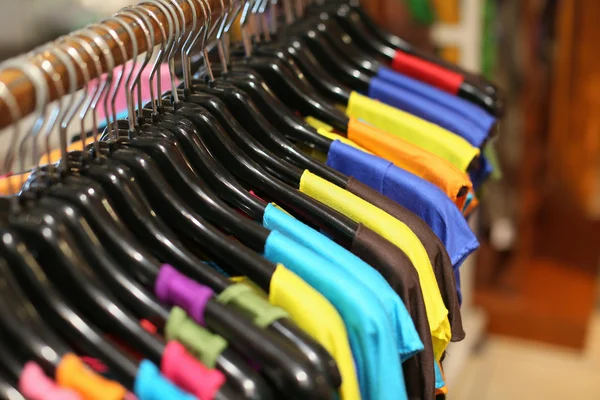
x,y
516,369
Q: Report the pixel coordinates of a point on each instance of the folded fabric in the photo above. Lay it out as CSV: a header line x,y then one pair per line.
x,y
429,110
347,263
369,329
396,232
412,192
412,158
466,109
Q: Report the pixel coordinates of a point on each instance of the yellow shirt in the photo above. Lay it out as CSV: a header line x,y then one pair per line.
x,y
413,129
316,316
399,234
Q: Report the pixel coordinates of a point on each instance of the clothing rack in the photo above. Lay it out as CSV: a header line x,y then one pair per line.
x,y
140,232
23,89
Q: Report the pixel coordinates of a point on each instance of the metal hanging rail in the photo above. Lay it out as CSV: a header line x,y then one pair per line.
x,y
23,90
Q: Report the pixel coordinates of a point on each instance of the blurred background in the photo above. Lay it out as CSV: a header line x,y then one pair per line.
x,y
531,310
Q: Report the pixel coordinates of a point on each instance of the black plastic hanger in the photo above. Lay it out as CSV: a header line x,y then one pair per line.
x,y
237,372
315,352
223,329
333,37
247,113
354,26
10,372
280,116
55,310
221,248
319,357
310,66
361,18
24,329
289,87
76,279
473,88
96,207
176,166
279,167
290,48
242,377
274,352
10,366
337,36
120,184
136,297
143,142
217,177
184,220
227,152
8,391
311,35
212,242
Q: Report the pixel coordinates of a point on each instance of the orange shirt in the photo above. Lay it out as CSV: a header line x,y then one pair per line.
x,y
412,158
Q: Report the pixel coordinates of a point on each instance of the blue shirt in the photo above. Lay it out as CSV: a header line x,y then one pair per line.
x,y
369,329
483,171
426,109
414,193
407,337
462,107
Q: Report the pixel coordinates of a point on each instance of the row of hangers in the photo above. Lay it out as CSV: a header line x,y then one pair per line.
x,y
84,240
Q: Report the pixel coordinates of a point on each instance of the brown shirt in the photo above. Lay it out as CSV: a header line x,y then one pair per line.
x,y
397,269
438,256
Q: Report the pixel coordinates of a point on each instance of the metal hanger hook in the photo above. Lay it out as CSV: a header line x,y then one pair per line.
x,y
9,158
161,52
86,105
146,26
244,20
35,75
103,83
73,104
180,26
174,33
115,92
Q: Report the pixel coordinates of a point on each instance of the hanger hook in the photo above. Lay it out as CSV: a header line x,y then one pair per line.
x,y
74,104
188,42
245,27
39,123
222,38
273,8
206,31
144,22
180,27
239,7
117,87
130,81
36,76
288,12
161,52
264,20
15,114
69,65
86,105
110,110
55,114
102,88
254,26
